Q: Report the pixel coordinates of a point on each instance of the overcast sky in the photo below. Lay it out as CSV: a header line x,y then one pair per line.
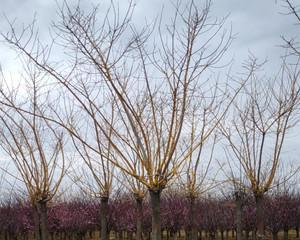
x,y
258,25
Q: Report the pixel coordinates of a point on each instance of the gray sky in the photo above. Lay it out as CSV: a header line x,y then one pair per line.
x,y
258,26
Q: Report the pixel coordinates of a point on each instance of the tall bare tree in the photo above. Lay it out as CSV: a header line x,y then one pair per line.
x,y
139,192
34,145
208,111
258,129
153,76
101,171
234,176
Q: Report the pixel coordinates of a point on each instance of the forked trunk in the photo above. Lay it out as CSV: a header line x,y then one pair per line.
x,y
103,218
139,218
259,217
155,208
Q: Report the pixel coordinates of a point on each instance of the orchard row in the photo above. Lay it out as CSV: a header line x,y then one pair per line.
x,y
80,217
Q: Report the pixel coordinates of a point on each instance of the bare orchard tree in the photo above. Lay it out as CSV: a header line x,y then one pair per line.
x,y
153,75
139,192
258,129
293,43
33,145
231,169
234,176
209,109
99,180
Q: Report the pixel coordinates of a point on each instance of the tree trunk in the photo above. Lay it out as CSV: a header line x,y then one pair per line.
x,y
199,235
238,212
227,234
253,233
246,234
168,234
40,221
129,236
212,235
222,235
259,217
232,233
37,235
192,232
155,207
286,234
274,236
175,236
44,221
103,218
139,218
297,232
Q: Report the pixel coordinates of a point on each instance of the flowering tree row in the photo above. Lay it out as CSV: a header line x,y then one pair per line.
x,y
214,217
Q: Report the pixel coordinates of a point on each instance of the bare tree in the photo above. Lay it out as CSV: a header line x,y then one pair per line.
x,y
34,145
231,169
99,181
209,110
258,128
236,179
139,192
292,44
152,75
